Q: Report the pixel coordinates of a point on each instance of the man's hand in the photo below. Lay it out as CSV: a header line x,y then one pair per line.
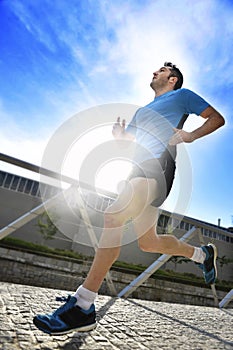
x,y
118,129
181,136
214,120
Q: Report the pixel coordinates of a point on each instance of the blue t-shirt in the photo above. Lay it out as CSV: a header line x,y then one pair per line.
x,y
153,124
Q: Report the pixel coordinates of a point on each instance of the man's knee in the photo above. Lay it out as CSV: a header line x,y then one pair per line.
x,y
110,220
121,209
144,246
113,219
148,241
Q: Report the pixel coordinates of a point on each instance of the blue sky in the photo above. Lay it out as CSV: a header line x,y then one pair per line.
x,y
58,58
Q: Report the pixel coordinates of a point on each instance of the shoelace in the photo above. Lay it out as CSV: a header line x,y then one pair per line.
x,y
63,298
64,307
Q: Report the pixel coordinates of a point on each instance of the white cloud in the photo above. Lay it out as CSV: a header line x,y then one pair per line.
x,y
28,150
19,143
198,37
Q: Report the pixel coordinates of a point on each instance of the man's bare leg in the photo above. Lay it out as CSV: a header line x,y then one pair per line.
x,y
150,241
78,313
103,260
131,202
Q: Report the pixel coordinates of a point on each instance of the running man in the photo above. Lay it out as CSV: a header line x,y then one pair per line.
x,y
157,128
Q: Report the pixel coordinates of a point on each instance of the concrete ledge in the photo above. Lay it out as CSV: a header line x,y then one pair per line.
x,y
50,272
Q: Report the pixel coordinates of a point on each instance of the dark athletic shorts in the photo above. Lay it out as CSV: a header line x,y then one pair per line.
x,y
162,170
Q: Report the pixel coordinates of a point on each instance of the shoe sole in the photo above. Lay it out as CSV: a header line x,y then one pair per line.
x,y
215,258
79,329
87,328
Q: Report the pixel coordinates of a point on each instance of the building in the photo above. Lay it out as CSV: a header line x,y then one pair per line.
x,y
18,195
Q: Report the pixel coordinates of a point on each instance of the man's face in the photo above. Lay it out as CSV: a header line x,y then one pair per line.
x,y
160,78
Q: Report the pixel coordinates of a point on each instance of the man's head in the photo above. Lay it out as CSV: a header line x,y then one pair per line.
x,y
175,72
168,77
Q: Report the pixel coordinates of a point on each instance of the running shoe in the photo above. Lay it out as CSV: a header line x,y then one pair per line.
x,y
209,266
68,318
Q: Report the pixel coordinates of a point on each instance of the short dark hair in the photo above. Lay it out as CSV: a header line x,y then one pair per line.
x,y
175,72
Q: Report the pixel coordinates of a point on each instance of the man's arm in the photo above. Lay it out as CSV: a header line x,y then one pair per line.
x,y
214,120
119,132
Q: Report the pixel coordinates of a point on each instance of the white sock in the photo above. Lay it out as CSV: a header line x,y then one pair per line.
x,y
198,255
85,297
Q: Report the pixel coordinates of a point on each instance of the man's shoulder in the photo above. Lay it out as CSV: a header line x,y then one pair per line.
x,y
185,94
172,96
179,93
184,91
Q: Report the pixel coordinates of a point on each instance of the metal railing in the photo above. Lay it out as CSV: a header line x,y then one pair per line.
x,y
27,217
108,197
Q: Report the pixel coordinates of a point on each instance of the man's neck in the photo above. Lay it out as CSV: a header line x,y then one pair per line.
x,y
162,91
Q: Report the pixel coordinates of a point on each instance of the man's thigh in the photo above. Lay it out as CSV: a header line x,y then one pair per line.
x,y
135,196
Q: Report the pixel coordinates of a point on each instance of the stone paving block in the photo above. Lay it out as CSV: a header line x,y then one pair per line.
x,y
123,324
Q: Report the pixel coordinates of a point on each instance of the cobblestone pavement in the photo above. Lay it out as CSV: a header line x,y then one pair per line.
x,y
122,324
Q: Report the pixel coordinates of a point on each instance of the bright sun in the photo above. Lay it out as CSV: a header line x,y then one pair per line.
x,y
85,161
111,174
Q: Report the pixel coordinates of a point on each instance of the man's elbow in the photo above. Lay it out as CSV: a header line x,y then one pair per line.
x,y
217,119
221,120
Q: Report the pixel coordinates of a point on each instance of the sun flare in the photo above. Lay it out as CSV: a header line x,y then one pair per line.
x,y
85,153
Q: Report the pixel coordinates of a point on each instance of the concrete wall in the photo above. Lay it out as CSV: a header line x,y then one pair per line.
x,y
37,270
14,204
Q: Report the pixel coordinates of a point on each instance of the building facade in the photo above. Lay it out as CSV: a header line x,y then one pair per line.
x,y
18,195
